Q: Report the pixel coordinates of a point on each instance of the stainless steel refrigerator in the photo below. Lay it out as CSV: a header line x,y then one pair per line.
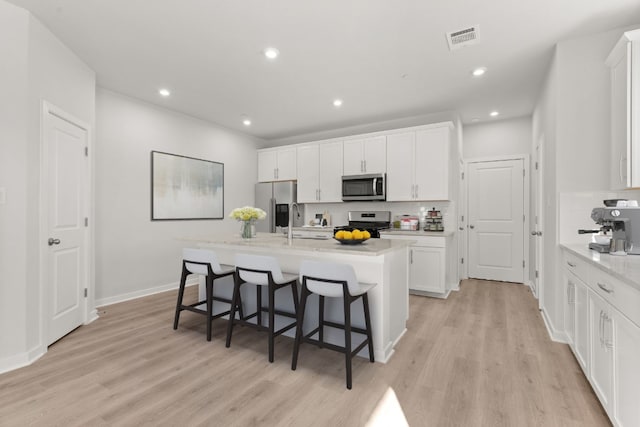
x,y
275,198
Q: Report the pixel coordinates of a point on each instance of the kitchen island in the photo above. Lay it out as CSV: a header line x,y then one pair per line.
x,y
380,261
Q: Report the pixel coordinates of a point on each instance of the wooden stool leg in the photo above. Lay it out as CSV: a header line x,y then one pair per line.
x,y
321,320
367,322
232,315
299,330
347,337
183,280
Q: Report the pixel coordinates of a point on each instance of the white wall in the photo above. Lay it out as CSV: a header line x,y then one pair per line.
x,y
14,38
572,117
36,67
497,138
134,255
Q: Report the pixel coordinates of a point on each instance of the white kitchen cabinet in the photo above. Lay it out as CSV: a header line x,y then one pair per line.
x,y
320,173
581,343
418,165
365,156
624,63
569,306
626,379
601,372
431,271
277,164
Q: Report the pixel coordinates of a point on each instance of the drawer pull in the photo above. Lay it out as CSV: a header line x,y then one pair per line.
x,y
572,265
604,288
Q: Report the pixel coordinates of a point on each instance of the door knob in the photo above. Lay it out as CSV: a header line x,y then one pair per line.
x,y
472,227
539,233
533,233
461,228
53,241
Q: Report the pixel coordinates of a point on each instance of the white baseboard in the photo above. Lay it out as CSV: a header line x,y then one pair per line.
x,y
142,293
554,334
22,359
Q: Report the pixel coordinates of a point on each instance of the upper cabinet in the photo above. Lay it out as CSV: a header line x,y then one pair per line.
x,y
277,164
364,156
624,62
418,164
320,172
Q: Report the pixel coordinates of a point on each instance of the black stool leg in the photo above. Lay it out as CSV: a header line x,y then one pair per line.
x,y
272,319
209,287
367,322
183,280
347,337
259,304
234,301
299,330
321,320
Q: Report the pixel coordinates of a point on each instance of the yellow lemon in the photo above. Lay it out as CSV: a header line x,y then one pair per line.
x,y
339,234
356,234
347,235
366,234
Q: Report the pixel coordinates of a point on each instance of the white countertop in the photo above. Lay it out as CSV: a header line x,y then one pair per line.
x,y
387,232
278,241
624,268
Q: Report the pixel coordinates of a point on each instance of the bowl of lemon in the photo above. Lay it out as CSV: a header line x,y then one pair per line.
x,y
353,237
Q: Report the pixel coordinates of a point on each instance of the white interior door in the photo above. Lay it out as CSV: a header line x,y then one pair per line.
x,y
67,186
496,220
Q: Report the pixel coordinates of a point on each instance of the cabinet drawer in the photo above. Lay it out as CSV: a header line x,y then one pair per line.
x,y
576,265
625,298
421,241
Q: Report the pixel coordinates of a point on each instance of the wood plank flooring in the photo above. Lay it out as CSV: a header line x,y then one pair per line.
x,y
480,358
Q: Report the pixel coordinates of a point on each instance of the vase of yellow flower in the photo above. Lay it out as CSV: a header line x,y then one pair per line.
x,y
247,216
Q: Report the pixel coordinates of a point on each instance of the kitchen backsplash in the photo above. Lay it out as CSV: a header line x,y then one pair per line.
x,y
339,211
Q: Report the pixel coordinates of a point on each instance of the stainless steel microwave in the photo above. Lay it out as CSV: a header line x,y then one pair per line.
x,y
364,187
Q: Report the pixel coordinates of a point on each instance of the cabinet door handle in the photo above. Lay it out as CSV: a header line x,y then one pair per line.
x,y
411,256
622,177
361,165
416,196
570,264
600,324
365,165
608,343
605,288
319,194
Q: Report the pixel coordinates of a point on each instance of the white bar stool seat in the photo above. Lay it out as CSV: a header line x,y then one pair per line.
x,y
205,263
263,271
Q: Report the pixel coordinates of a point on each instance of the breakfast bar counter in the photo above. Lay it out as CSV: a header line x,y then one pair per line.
x,y
384,262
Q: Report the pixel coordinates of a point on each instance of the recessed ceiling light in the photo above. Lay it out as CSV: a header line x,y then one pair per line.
x,y
494,113
164,92
475,119
271,52
246,122
479,71
337,102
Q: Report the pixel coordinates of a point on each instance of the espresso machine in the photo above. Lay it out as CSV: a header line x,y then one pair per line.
x,y
624,223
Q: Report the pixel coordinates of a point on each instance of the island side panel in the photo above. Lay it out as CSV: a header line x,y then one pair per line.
x,y
371,269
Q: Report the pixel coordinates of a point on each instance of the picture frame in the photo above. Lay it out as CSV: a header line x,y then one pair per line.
x,y
186,188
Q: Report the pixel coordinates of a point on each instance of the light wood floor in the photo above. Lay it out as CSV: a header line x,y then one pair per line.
x,y
480,358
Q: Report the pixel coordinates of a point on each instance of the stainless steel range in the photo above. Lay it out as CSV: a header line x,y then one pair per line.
x,y
372,221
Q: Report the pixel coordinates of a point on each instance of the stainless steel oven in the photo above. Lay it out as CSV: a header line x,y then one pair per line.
x,y
364,187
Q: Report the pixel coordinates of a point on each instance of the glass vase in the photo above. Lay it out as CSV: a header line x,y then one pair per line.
x,y
246,229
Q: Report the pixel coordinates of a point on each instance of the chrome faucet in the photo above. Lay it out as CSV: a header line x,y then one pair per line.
x,y
290,225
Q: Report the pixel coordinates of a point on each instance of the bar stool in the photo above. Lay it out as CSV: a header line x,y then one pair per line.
x,y
333,280
262,271
205,263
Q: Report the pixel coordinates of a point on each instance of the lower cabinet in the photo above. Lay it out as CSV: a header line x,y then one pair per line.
x,y
601,371
601,323
626,376
427,267
431,268
581,337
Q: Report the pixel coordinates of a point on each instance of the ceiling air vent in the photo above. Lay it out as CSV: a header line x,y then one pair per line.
x,y
463,38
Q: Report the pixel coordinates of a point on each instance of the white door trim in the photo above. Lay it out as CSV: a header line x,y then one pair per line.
x,y
526,203
89,312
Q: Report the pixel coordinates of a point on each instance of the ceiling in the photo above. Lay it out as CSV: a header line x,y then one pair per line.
x,y
385,59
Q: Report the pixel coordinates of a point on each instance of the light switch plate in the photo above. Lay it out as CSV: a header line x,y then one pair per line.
x,y
3,196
